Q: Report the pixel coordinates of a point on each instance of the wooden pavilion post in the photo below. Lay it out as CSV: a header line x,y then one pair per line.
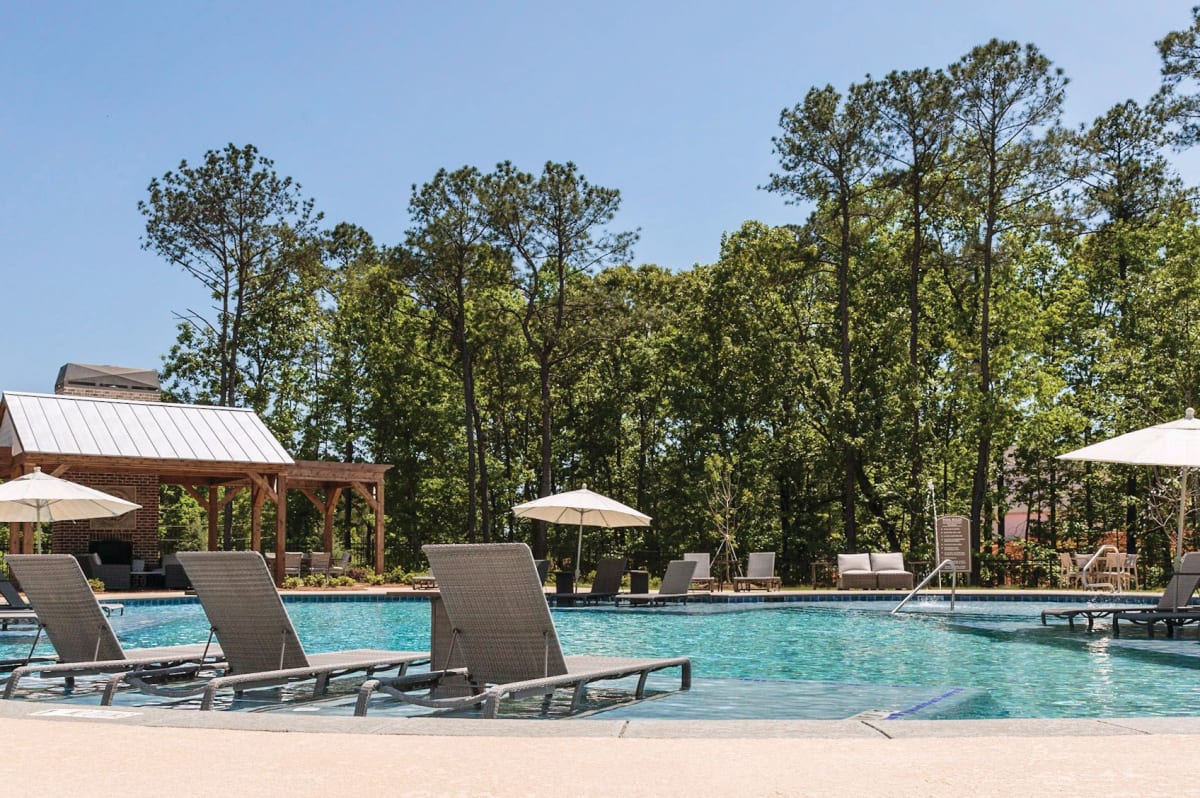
x,y
379,524
212,506
280,527
331,500
257,496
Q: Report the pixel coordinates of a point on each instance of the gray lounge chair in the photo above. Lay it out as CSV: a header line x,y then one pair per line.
x,y
703,578
606,585
1174,600
760,571
674,585
256,634
67,611
503,630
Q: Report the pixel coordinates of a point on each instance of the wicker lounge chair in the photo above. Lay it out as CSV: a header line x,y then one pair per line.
x,y
606,585
674,585
760,571
78,628
703,578
504,632
18,611
256,634
1173,602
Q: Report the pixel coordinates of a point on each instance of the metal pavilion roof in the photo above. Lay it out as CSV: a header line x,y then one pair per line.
x,y
53,424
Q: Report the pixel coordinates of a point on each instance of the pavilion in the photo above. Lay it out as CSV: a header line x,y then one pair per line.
x,y
105,427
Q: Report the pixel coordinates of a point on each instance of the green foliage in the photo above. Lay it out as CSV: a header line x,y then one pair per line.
x,y
96,585
967,291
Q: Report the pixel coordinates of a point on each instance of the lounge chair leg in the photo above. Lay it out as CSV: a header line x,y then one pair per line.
x,y
321,686
491,706
546,699
364,697
685,676
206,701
110,689
641,687
11,687
578,696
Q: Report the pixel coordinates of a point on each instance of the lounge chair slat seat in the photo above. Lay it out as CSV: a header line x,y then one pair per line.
x,y
1174,600
703,578
78,627
256,634
760,571
605,586
674,586
503,628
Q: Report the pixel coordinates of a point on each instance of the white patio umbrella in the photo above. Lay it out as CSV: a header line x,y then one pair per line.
x,y
582,507
39,497
1175,444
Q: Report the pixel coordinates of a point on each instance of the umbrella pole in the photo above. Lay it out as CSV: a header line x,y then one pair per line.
x,y
578,550
1183,492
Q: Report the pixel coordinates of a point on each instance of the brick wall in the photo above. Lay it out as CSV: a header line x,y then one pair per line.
x,y
72,537
108,393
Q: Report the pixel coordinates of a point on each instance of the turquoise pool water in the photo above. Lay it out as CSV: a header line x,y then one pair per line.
x,y
798,660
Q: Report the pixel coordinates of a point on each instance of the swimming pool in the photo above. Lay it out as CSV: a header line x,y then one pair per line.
x,y
797,660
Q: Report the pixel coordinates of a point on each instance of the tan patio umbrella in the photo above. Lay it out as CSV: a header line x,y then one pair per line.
x,y
1175,444
38,497
582,507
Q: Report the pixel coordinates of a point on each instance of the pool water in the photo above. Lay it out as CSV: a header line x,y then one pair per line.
x,y
820,660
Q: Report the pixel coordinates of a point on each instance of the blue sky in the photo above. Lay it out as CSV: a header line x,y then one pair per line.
x,y
673,103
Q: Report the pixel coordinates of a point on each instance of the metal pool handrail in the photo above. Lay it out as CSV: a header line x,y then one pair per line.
x,y
943,565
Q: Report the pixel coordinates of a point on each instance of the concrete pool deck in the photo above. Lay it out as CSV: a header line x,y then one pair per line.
x,y
54,748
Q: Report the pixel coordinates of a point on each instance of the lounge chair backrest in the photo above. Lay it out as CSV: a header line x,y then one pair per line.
x,y
761,565
292,560
702,564
609,572
678,577
239,597
498,613
1178,592
66,607
10,593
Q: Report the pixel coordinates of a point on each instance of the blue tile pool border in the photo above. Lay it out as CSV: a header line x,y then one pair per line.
x,y
764,598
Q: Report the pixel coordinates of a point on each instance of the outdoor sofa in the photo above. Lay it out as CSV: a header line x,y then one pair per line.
x,y
876,570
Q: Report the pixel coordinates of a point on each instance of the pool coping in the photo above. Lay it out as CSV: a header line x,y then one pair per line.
x,y
594,728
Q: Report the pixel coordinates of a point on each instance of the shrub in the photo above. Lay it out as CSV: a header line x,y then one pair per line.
x,y
96,585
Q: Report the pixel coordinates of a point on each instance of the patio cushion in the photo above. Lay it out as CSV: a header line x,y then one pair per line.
x,y
854,562
891,561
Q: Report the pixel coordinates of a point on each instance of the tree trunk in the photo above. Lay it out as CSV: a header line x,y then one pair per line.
x,y
545,484
849,454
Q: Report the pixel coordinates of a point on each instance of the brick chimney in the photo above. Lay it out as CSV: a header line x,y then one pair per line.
x,y
108,382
